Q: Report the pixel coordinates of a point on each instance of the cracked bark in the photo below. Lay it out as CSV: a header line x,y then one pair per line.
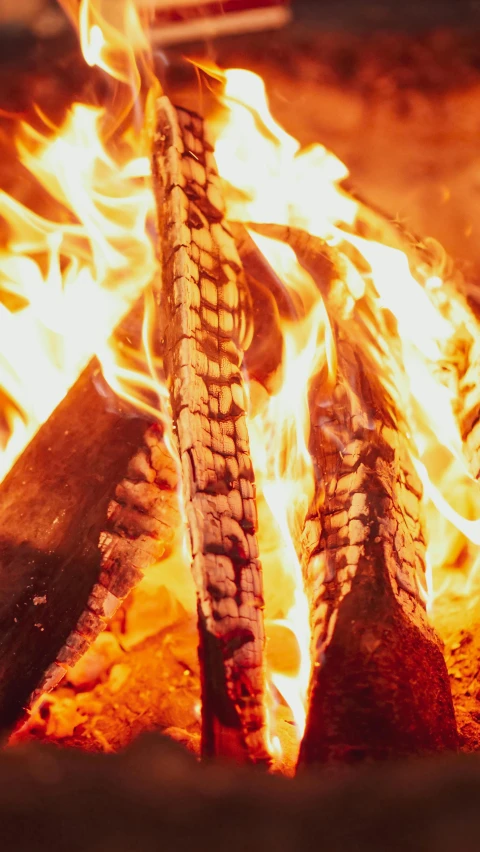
x,y
140,523
379,686
57,588
204,307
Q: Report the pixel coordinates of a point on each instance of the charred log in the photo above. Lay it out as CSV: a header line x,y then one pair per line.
x,y
379,686
264,358
204,305
258,268
139,528
271,302
57,587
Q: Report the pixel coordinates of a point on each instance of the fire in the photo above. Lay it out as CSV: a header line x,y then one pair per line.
x,y
257,158
270,179
66,281
68,278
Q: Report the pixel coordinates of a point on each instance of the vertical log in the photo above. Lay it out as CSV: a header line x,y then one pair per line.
x,y
203,303
379,685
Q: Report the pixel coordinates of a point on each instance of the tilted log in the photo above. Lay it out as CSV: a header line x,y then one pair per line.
x,y
379,684
271,303
57,587
204,305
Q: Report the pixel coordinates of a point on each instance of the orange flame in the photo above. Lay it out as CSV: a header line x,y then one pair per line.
x,y
65,283
270,179
68,281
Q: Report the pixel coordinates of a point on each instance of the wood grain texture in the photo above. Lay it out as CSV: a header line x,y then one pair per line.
x,y
205,309
138,529
53,507
379,685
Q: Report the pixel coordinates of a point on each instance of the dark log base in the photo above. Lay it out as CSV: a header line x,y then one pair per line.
x,y
379,686
383,689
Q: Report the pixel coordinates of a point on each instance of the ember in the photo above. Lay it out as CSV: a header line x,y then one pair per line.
x,y
242,385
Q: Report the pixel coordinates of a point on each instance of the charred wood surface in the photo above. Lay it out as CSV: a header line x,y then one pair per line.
x,y
139,527
379,686
204,305
57,587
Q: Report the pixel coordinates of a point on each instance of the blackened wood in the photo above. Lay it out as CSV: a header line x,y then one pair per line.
x,y
263,359
379,685
205,309
54,598
53,506
257,266
138,529
272,303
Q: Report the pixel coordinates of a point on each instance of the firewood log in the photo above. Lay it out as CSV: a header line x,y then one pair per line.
x,y
204,304
57,586
271,303
379,685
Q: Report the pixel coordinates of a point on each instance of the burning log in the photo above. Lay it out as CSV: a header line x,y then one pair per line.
x,y
379,685
57,587
204,303
257,267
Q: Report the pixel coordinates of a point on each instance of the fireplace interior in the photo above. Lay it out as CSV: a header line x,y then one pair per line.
x,y
240,440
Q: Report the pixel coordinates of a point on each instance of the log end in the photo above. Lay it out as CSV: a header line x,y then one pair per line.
x,y
382,690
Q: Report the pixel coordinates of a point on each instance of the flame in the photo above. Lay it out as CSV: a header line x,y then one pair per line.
x,y
67,280
257,157
269,178
279,445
